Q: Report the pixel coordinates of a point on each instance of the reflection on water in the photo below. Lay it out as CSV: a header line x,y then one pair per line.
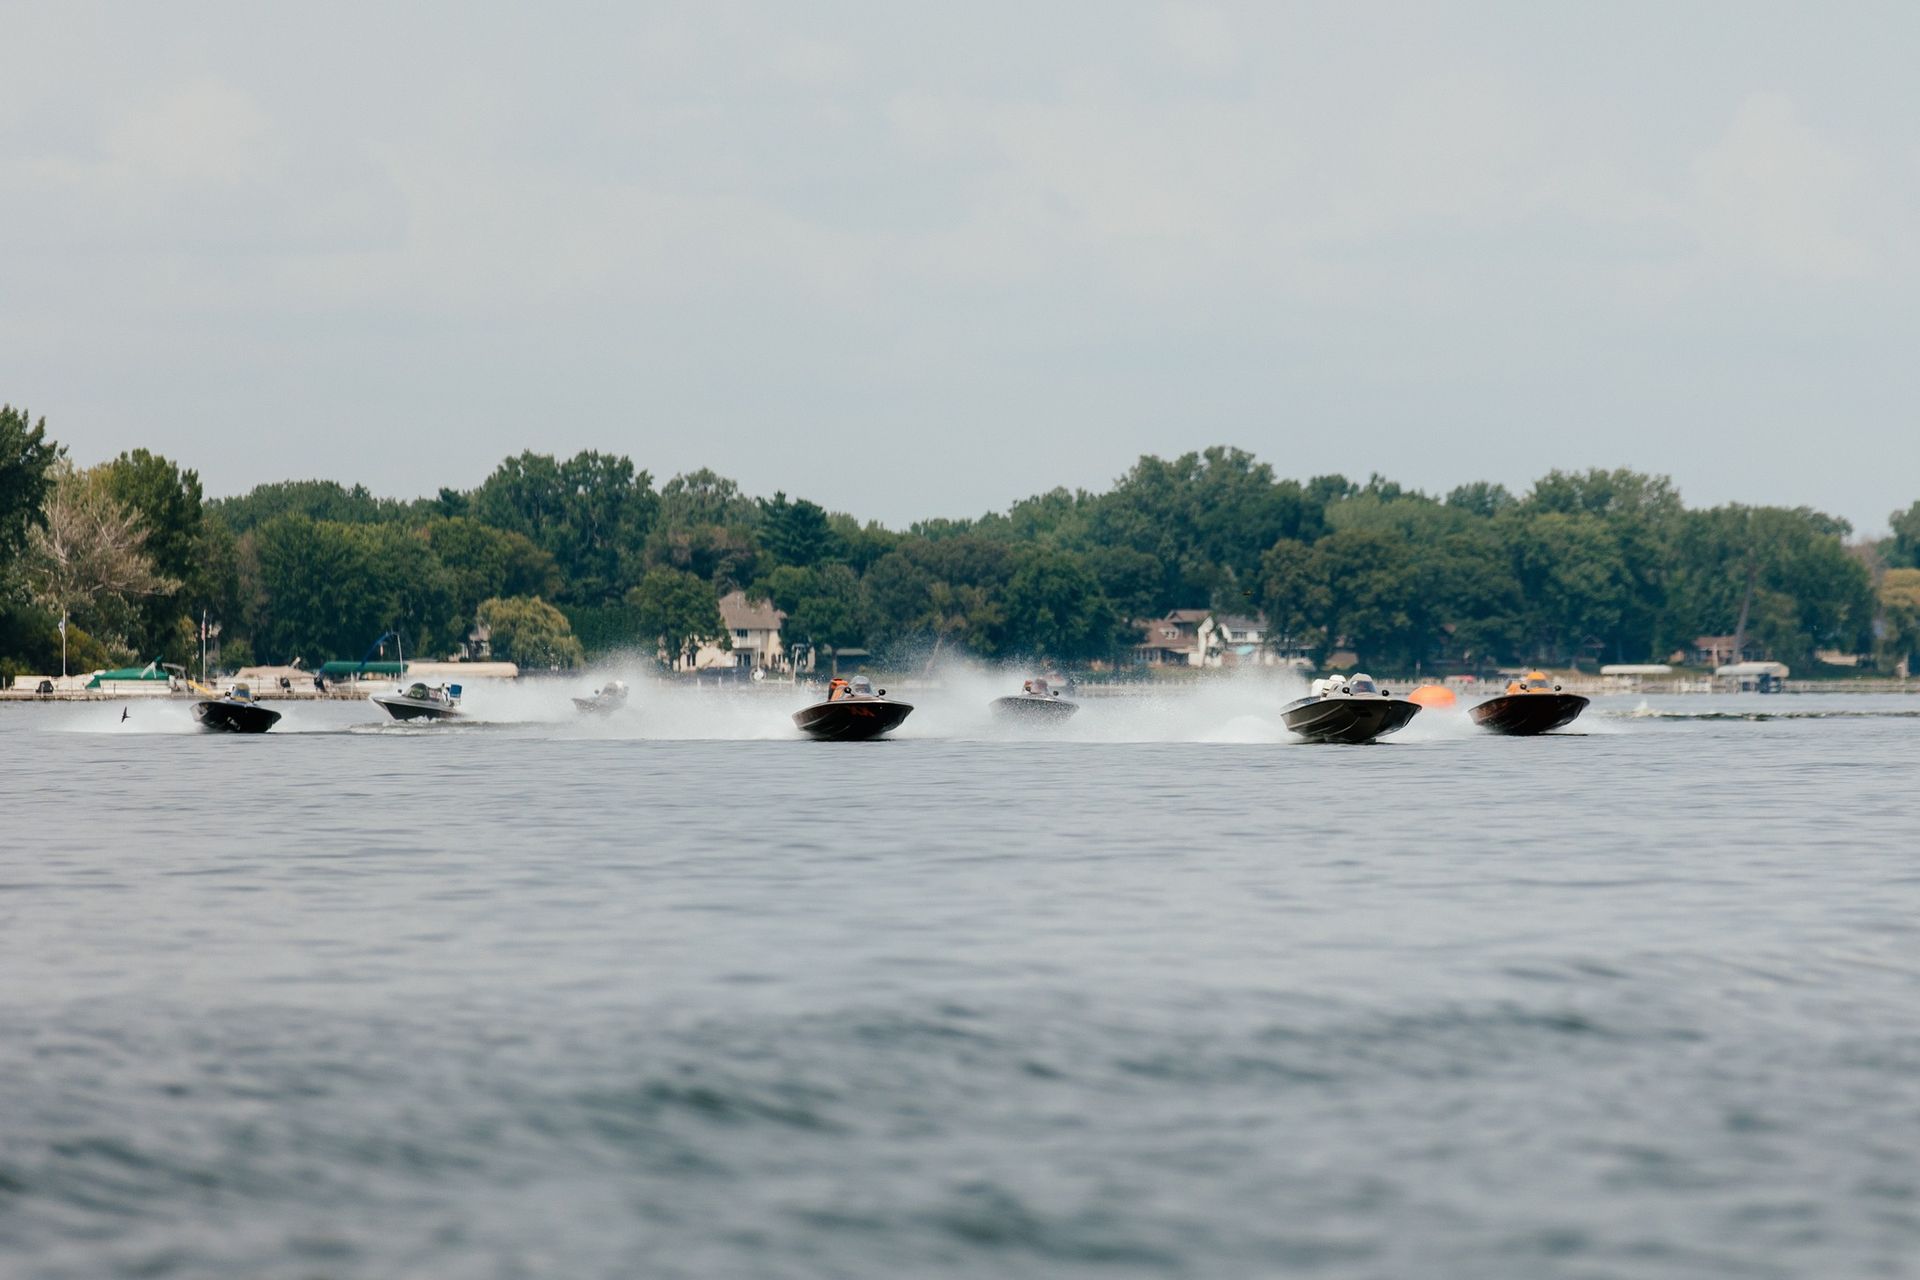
x,y
1170,995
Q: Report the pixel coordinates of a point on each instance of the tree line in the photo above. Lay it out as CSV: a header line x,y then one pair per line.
x,y
561,559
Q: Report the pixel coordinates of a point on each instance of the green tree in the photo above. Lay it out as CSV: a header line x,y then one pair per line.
x,y
680,611
26,477
1295,596
797,532
1481,498
185,543
1371,588
1207,518
88,558
325,590
529,631
941,592
591,513
1899,640
708,528
1055,609
826,608
483,562
1572,577
314,499
1902,550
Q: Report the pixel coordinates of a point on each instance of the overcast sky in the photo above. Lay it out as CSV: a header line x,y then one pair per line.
x,y
912,259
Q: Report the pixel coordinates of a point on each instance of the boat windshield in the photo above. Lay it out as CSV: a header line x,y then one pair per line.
x,y
1537,682
1040,686
1362,684
418,691
242,694
862,687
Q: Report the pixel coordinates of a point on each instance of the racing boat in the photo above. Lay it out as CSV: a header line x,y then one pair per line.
x,y
604,701
1037,702
420,701
235,712
852,710
1529,706
1353,710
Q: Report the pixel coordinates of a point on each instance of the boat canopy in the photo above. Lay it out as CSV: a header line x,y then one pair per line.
x,y
151,671
862,686
336,670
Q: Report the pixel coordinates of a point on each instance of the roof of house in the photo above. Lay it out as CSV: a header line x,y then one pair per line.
x,y
1241,624
742,614
1186,615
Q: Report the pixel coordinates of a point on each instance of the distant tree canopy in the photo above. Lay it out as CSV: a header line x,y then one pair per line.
x,y
1589,566
26,476
529,632
678,610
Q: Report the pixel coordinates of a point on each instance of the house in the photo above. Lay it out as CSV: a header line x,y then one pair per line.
x,y
754,627
1172,641
1229,641
1717,651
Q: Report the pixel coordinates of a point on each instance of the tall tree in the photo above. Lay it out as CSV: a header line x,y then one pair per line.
x,y
530,632
1055,609
797,532
314,499
826,608
26,477
708,528
88,558
186,546
591,513
679,612
325,590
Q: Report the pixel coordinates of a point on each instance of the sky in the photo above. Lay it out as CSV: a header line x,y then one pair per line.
x,y
916,260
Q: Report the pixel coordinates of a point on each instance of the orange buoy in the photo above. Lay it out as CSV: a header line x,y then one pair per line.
x,y
1432,696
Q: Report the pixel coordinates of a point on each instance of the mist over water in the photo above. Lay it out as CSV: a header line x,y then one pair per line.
x,y
676,993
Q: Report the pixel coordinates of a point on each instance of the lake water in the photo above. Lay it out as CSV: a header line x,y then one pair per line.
x,y
1168,996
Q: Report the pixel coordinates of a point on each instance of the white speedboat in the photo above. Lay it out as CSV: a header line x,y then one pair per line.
x,y
1348,710
1037,701
421,701
604,701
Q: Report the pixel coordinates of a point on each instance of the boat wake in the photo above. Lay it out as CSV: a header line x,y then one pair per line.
x,y
1645,712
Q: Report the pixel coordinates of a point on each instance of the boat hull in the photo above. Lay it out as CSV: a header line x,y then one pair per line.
x,y
1031,710
1348,719
1525,714
597,706
220,716
409,709
850,719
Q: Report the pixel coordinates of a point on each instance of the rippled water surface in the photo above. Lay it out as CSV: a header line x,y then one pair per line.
x,y
545,1000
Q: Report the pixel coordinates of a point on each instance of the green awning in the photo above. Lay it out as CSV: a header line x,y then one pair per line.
x,y
151,673
337,670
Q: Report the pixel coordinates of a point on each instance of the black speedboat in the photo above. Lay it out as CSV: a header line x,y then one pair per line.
x,y
604,701
1348,710
236,712
852,711
1037,702
419,701
1529,706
